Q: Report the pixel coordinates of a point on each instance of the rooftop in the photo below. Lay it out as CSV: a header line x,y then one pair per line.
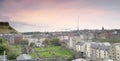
x,y
80,43
6,28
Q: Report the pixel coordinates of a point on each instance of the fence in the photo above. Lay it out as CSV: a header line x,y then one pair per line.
x,y
24,60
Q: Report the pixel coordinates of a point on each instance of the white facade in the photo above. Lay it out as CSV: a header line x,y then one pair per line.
x,y
115,52
80,48
100,51
80,59
84,47
102,54
107,60
23,57
38,42
73,40
88,49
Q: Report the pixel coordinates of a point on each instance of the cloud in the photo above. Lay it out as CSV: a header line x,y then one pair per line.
x,y
108,5
17,24
58,13
14,6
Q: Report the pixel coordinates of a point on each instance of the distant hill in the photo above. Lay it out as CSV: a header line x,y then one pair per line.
x,y
30,33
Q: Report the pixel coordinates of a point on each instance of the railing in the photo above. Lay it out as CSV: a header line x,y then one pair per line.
x,y
24,60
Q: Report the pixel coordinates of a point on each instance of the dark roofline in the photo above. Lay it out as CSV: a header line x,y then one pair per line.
x,y
4,24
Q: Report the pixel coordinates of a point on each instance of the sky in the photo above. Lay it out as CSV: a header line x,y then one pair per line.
x,y
60,15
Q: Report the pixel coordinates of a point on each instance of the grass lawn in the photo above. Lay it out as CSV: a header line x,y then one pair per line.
x,y
32,54
15,47
54,51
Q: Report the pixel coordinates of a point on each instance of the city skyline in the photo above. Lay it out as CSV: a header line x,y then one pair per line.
x,y
57,15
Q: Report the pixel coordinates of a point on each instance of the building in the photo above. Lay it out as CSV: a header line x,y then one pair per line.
x,y
84,47
9,33
80,46
107,60
115,52
37,42
100,51
87,35
79,59
24,57
5,28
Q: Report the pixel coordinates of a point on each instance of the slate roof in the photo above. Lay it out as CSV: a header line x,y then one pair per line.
x,y
94,45
80,43
100,46
103,47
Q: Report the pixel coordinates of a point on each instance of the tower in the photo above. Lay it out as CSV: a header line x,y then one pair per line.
x,y
103,28
78,24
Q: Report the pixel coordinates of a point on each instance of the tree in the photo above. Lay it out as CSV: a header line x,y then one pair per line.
x,y
24,42
55,42
46,42
12,55
3,48
32,44
1,41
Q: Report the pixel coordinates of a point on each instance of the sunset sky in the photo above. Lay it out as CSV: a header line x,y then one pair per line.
x,y
57,15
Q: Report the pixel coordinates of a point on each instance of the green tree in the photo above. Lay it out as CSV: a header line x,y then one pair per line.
x,y
55,42
46,42
12,55
3,48
1,41
32,44
24,42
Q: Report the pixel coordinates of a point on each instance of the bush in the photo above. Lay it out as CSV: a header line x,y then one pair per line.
x,y
32,44
55,42
12,55
1,41
24,42
3,48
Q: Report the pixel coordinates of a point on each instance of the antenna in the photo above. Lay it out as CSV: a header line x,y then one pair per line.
x,y
78,24
78,30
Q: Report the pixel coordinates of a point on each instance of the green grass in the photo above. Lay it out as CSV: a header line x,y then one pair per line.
x,y
15,48
32,54
54,51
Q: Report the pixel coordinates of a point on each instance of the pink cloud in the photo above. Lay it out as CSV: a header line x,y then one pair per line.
x,y
56,13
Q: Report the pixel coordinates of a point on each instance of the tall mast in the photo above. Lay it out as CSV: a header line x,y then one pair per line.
x,y
78,24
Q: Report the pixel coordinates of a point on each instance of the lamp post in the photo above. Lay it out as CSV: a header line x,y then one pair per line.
x,y
4,56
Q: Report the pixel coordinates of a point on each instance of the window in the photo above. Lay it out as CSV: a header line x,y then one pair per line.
x,y
118,57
